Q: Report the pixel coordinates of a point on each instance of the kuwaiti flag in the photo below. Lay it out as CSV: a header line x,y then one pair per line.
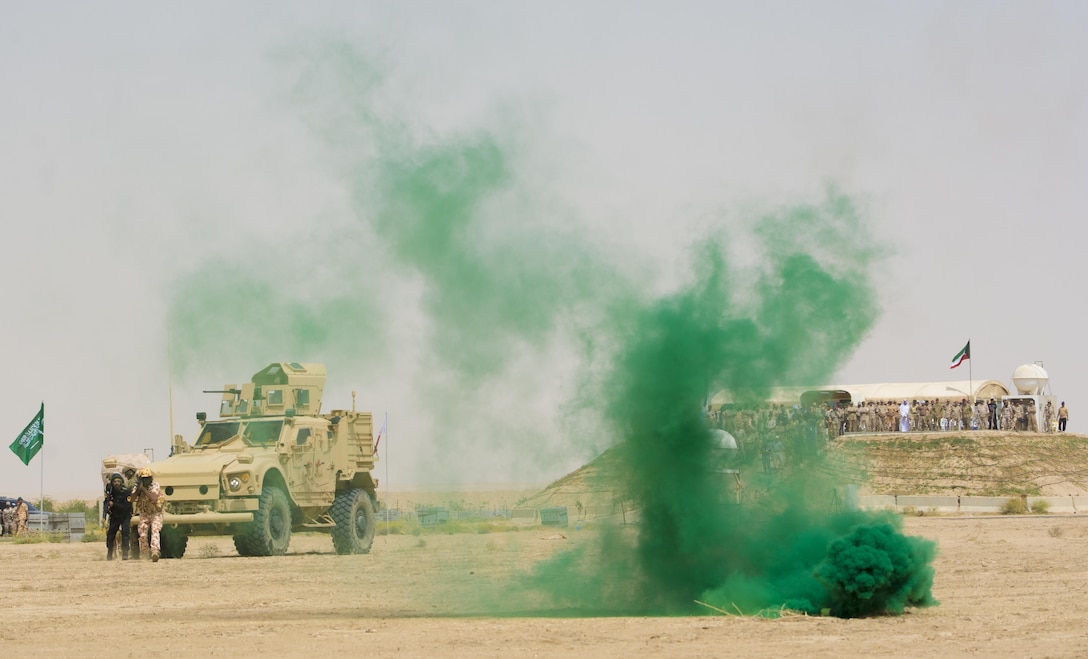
x,y
961,356
30,441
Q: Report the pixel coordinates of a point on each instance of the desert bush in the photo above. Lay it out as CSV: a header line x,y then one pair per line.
x,y
94,535
208,550
1040,507
397,527
1056,532
1014,506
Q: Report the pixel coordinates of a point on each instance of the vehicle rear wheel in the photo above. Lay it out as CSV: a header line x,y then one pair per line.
x,y
172,542
353,512
269,533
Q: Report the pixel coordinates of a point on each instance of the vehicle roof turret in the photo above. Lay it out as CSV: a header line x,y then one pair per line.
x,y
277,389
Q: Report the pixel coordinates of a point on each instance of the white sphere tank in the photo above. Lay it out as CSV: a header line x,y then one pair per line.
x,y
722,439
1030,379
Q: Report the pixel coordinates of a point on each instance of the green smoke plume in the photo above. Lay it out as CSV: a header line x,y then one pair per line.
x,y
501,272
808,305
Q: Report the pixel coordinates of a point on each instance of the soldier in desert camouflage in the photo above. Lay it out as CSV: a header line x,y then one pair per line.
x,y
22,512
147,501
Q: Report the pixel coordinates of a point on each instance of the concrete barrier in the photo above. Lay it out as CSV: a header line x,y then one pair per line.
x,y
876,501
1080,504
982,504
523,515
942,504
554,516
432,515
1054,504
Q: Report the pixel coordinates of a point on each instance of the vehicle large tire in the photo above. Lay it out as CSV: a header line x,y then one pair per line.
x,y
172,542
133,543
270,531
353,512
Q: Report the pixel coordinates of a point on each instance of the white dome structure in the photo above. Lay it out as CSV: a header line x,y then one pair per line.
x,y
723,440
1030,379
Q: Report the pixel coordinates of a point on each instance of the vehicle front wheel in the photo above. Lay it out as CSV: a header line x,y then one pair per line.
x,y
270,531
172,542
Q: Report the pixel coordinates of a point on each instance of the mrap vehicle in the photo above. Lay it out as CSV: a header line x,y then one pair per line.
x,y
271,463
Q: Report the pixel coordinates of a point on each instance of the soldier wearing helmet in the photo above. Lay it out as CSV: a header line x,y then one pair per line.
x,y
147,500
117,509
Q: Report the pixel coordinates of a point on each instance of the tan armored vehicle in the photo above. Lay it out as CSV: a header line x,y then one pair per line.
x,y
271,463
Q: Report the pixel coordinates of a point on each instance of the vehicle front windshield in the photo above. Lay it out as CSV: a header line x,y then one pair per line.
x,y
262,433
215,433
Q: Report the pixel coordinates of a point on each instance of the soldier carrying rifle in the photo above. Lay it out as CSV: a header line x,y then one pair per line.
x,y
117,508
148,500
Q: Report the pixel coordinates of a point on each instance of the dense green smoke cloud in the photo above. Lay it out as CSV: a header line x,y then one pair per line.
x,y
503,274
807,304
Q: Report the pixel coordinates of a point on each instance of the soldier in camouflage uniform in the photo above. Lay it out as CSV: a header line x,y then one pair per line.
x,y
1006,416
21,515
8,517
147,500
1021,412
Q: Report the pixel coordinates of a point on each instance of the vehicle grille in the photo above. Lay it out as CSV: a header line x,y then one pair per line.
x,y
185,507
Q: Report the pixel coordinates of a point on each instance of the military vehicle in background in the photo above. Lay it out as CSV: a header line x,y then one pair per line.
x,y
271,463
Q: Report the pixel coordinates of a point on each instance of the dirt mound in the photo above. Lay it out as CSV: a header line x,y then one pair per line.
x,y
980,463
977,463
587,490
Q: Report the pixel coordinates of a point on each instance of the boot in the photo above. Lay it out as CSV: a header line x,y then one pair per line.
x,y
124,553
109,552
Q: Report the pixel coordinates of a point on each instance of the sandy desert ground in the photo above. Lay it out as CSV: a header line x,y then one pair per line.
x,y
1008,586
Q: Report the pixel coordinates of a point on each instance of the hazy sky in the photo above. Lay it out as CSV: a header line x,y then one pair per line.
x,y
143,148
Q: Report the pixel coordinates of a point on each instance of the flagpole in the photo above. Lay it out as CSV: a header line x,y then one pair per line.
x,y
170,382
385,423
971,380
41,478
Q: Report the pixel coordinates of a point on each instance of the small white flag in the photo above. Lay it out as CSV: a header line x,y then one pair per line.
x,y
381,432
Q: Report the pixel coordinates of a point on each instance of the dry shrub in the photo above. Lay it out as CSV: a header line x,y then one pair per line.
x,y
1014,506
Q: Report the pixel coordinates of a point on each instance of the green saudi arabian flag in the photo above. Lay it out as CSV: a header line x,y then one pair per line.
x,y
30,441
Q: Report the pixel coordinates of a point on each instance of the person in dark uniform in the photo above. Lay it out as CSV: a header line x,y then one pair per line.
x,y
991,416
118,509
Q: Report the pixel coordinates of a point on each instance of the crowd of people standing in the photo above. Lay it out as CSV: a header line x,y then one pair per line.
x,y
1013,415
776,431
14,517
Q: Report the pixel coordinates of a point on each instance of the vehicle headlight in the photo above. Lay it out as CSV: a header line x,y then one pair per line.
x,y
236,481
